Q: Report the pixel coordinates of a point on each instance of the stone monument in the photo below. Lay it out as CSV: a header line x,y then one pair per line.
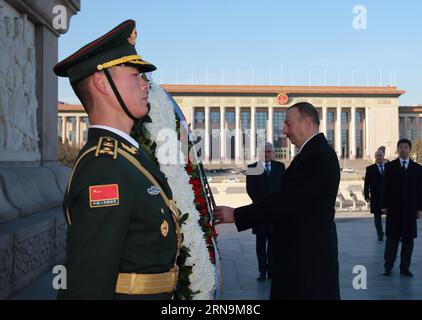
x,y
32,182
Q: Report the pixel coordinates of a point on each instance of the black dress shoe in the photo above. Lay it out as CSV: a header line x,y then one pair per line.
x,y
261,277
387,273
406,273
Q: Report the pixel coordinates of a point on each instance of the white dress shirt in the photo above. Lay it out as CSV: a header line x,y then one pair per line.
x,y
306,142
407,162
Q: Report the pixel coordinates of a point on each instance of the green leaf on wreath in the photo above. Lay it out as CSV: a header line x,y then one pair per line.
x,y
184,218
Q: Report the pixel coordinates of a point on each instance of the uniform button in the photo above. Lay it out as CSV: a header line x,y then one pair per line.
x,y
162,210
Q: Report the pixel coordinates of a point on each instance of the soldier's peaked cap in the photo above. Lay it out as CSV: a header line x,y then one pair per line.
x,y
116,47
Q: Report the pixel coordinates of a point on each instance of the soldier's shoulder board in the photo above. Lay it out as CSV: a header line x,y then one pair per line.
x,y
107,147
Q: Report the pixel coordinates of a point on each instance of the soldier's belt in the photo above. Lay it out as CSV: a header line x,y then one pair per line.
x,y
134,283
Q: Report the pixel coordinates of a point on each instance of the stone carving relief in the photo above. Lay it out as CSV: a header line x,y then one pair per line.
x,y
5,269
18,102
60,248
33,253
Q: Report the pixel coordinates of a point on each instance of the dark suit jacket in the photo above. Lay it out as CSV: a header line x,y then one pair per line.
x,y
402,197
260,186
305,236
374,187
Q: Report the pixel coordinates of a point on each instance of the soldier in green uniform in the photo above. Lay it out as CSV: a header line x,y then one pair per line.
x,y
123,234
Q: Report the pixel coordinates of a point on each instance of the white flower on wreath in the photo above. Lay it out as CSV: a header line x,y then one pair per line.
x,y
170,156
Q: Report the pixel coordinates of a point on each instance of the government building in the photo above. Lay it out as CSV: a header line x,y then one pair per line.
x,y
234,120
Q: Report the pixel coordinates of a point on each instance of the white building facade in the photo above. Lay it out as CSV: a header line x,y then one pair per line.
x,y
236,119
233,121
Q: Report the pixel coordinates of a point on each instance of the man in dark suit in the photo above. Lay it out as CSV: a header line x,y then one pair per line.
x,y
373,189
402,202
258,187
305,236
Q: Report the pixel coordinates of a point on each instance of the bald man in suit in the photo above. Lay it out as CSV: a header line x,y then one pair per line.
x,y
258,187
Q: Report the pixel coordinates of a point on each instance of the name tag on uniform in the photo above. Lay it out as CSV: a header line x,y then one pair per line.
x,y
104,196
154,190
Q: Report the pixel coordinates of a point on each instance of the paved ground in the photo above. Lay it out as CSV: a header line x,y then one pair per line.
x,y
357,246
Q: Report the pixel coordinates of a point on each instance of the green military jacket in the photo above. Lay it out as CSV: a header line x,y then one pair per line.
x,y
117,220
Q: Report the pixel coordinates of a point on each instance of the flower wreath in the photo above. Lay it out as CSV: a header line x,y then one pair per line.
x,y
199,275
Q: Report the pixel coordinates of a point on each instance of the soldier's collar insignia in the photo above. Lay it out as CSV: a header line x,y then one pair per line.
x,y
131,150
164,228
132,37
154,190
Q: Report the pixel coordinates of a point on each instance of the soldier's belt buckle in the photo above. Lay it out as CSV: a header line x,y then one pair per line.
x,y
132,283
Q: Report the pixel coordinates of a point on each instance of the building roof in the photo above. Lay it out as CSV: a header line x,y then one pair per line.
x,y
411,109
235,89
322,90
63,107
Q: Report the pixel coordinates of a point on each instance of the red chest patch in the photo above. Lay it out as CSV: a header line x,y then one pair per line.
x,y
104,196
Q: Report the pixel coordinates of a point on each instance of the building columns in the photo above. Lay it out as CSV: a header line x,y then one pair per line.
x,y
253,134
270,124
78,131
64,128
352,134
324,121
192,121
338,132
367,150
223,134
405,121
207,134
237,135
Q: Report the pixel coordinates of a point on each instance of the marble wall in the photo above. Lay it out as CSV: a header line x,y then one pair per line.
x,y
32,182
18,102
